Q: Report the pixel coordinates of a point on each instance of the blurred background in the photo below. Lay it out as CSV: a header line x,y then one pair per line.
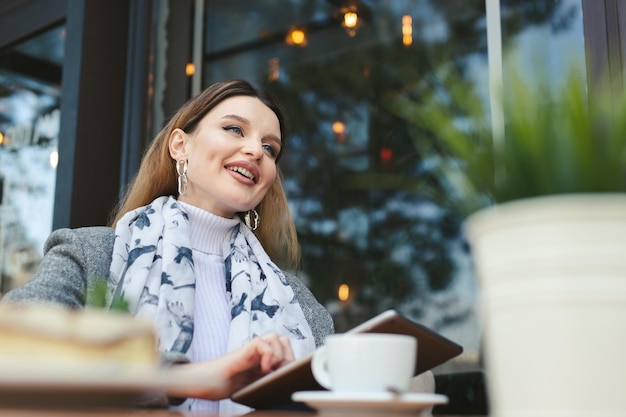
x,y
85,85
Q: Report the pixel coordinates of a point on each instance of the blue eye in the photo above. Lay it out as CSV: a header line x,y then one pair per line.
x,y
270,150
235,129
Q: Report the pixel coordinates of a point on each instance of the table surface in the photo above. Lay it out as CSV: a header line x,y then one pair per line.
x,y
143,413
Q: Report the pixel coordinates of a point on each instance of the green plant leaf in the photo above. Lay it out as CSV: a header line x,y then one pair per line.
x,y
97,297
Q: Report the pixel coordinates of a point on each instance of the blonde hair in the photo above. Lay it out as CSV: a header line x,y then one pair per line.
x,y
157,173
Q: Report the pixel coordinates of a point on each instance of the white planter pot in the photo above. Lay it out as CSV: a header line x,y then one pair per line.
x,y
552,273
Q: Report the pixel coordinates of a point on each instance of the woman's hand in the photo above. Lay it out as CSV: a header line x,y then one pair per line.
x,y
219,378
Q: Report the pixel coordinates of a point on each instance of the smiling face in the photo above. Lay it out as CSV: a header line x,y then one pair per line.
x,y
231,155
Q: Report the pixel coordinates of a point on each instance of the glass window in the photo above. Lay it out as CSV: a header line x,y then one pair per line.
x,y
359,168
30,87
543,47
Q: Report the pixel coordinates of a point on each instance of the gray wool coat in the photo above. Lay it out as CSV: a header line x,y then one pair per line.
x,y
76,258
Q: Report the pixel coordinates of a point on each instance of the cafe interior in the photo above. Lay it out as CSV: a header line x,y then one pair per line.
x,y
85,85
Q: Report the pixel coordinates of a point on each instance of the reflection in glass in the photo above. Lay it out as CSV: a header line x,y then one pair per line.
x,y
374,223
30,86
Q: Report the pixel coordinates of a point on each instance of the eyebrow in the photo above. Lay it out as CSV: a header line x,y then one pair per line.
x,y
234,116
247,122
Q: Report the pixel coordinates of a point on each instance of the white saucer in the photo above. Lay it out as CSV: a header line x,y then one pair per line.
x,y
361,403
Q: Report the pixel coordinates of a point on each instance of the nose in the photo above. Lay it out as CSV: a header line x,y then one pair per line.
x,y
254,148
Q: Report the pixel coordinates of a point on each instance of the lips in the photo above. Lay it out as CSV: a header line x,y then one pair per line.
x,y
246,170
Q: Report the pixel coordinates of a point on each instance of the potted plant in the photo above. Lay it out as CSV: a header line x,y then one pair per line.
x,y
546,223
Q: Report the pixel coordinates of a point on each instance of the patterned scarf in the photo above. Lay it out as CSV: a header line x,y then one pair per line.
x,y
152,269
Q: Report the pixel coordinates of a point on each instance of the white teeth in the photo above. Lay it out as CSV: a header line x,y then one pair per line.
x,y
242,171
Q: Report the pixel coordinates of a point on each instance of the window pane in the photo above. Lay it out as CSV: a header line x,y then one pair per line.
x,y
361,165
30,87
540,46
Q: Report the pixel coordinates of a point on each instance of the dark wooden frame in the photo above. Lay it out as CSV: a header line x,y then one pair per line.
x,y
22,19
107,113
604,24
92,112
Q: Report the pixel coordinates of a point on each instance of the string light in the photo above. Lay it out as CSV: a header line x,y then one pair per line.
x,y
407,30
190,69
350,20
386,158
344,292
297,37
339,129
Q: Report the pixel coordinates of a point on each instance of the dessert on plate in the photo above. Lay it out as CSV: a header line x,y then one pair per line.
x,y
48,340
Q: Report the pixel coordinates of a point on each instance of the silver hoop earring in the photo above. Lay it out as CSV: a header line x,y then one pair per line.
x,y
181,170
252,219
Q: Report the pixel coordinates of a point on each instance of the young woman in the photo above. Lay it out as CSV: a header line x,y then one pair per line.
x,y
192,246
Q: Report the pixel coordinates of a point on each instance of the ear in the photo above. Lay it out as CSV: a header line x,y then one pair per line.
x,y
178,144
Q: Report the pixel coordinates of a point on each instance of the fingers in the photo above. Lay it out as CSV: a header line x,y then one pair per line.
x,y
265,353
220,377
276,351
287,351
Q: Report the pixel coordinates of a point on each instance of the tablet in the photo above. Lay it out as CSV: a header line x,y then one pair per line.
x,y
274,390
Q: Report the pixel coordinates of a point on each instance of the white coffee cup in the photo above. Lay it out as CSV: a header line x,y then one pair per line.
x,y
365,362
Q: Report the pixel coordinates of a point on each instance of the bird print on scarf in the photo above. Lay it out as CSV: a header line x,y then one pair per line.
x,y
258,305
153,246
239,307
183,253
185,323
148,298
133,255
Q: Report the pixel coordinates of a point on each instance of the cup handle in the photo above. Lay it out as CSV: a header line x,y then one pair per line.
x,y
320,368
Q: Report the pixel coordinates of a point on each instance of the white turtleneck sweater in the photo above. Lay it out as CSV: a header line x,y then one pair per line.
x,y
212,315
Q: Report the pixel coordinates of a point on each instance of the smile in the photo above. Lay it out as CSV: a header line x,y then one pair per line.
x,y
243,172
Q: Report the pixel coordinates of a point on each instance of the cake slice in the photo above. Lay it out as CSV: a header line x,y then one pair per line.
x,y
47,341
